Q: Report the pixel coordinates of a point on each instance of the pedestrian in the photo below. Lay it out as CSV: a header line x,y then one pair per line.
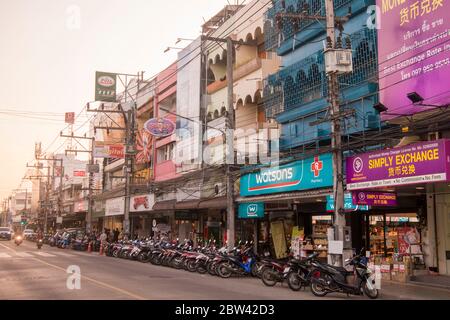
x,y
103,237
116,234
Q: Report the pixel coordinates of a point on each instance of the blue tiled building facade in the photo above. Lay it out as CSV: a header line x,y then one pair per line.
x,y
297,94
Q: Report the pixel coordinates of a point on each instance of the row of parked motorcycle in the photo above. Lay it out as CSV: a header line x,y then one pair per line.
x,y
320,277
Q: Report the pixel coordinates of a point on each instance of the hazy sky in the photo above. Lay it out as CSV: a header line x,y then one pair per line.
x,y
50,50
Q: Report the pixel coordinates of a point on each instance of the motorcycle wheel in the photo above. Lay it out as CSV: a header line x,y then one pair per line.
x,y
201,268
210,267
372,292
317,286
142,257
115,253
269,277
223,270
191,265
294,281
176,263
254,270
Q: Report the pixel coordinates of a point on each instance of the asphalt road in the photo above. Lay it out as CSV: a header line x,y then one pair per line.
x,y
29,273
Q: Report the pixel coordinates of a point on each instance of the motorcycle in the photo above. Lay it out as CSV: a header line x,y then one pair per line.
x,y
18,240
39,243
326,278
275,271
300,272
243,263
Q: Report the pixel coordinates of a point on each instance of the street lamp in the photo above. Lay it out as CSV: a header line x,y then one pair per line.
x,y
418,100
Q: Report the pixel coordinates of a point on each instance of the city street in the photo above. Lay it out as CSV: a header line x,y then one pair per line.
x,y
26,273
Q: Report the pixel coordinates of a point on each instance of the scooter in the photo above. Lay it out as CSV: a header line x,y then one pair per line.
x,y
327,278
18,240
39,243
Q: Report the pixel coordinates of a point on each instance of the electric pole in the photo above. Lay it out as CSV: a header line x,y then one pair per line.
x,y
336,116
90,175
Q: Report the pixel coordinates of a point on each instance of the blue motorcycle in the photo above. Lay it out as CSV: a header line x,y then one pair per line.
x,y
243,263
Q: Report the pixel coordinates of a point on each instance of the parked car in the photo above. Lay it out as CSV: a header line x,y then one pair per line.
x,y
6,233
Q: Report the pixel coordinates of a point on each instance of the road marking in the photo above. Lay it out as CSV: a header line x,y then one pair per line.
x,y
4,255
44,254
24,254
63,254
135,296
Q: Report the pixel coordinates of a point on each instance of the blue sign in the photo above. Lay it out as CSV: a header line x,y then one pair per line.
x,y
311,173
251,210
348,204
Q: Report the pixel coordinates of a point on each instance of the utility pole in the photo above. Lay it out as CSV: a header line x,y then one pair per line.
x,y
90,173
336,116
230,147
229,133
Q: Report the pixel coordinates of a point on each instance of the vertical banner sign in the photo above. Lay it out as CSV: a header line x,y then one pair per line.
x,y
413,53
105,86
70,117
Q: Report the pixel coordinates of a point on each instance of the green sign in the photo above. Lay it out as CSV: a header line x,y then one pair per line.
x,y
251,210
105,86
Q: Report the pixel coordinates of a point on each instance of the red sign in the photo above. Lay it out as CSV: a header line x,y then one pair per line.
x,y
70,117
406,237
140,201
316,166
79,173
117,151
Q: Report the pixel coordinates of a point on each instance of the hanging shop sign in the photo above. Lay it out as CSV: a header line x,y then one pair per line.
x,y
251,210
160,127
115,207
424,162
413,53
105,86
378,199
142,203
80,206
115,151
79,173
348,204
311,173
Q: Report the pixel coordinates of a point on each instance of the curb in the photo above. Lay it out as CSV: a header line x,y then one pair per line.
x,y
419,284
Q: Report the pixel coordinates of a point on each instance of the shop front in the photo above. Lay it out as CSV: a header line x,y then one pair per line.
x,y
114,213
141,207
402,225
290,196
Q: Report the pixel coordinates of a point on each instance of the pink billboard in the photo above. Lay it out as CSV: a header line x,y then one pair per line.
x,y
414,54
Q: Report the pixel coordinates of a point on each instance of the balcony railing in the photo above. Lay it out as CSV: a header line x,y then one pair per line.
x,y
305,81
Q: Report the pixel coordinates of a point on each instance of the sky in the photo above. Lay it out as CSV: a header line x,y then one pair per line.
x,y
50,50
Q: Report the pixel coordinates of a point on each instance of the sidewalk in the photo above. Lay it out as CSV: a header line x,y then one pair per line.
x,y
438,281
412,291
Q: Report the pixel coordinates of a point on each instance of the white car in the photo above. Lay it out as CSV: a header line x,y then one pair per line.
x,y
28,233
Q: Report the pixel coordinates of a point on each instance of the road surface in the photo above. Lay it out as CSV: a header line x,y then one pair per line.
x,y
28,273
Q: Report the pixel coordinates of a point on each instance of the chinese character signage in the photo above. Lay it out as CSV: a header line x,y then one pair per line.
x,y
105,86
251,210
413,53
423,162
377,199
311,173
348,204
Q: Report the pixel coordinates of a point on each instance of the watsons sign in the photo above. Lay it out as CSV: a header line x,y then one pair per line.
x,y
311,173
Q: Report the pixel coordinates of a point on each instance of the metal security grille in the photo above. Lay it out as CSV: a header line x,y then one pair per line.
x,y
275,36
305,80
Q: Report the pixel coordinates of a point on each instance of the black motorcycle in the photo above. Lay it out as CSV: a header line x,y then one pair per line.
x,y
327,278
300,272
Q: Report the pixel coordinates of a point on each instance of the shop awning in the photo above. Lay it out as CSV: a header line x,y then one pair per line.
x,y
215,203
164,205
310,194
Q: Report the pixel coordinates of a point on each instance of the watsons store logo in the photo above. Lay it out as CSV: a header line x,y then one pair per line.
x,y
311,173
276,175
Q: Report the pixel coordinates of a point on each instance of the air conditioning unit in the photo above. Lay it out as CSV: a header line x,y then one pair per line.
x,y
338,60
